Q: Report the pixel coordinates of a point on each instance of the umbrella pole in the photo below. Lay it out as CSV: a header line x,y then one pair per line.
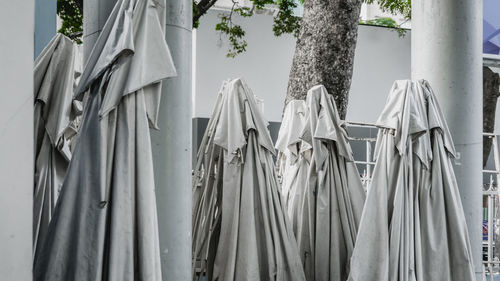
x,y
172,149
446,50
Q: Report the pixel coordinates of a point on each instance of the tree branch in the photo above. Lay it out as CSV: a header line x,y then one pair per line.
x,y
201,8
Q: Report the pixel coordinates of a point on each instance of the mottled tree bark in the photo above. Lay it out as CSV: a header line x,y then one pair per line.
x,y
324,53
491,82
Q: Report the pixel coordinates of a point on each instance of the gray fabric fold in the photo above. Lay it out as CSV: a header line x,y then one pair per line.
x,y
54,75
334,196
292,165
105,223
413,225
248,236
207,192
131,31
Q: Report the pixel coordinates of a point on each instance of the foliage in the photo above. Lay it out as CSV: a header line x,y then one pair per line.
x,y
235,32
285,21
386,22
402,7
196,11
72,19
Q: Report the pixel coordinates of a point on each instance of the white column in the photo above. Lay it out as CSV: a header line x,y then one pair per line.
x,y
16,139
446,50
172,148
95,15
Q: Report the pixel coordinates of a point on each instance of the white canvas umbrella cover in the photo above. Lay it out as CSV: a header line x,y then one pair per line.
x,y
413,225
334,195
253,239
291,163
54,75
207,191
105,223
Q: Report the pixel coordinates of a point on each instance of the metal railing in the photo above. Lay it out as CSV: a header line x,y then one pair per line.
x,y
491,195
368,161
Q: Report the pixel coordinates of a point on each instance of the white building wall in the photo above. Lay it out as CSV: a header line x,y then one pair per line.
x,y
265,65
16,139
381,57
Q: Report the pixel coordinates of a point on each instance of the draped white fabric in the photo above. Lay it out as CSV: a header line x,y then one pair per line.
x,y
292,164
334,196
207,189
251,238
54,77
105,223
413,226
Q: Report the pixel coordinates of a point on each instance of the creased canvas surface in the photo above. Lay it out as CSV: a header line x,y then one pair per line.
x,y
334,196
250,237
292,163
105,223
54,81
413,225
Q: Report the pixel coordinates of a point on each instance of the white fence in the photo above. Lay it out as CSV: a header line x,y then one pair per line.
x,y
367,162
491,216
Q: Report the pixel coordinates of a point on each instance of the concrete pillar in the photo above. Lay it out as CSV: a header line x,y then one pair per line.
x,y
172,148
95,14
16,139
446,50
45,23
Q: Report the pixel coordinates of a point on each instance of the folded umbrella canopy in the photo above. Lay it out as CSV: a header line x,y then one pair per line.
x,y
54,79
413,224
105,223
207,191
334,196
248,236
292,164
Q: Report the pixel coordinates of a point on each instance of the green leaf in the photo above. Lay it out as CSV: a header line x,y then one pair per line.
x,y
235,34
402,7
72,19
285,21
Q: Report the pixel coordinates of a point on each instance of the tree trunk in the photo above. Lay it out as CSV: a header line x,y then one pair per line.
x,y
324,53
491,82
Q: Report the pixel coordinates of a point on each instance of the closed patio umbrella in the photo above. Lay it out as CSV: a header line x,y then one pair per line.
x,y
292,164
54,79
334,196
251,239
105,223
207,190
413,224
